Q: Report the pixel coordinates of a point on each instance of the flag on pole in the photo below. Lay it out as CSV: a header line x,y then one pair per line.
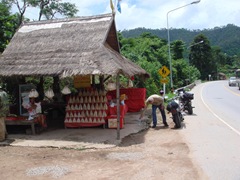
x,y
111,5
119,6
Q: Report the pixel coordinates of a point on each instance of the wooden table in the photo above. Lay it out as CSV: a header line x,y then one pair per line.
x,y
31,123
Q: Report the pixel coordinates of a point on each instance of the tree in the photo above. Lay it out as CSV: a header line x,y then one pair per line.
x,y
183,73
47,8
201,56
149,52
177,48
54,8
8,24
21,9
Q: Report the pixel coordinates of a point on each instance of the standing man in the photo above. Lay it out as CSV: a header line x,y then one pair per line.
x,y
162,109
4,110
157,103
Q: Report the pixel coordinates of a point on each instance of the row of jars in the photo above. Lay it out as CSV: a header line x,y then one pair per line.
x,y
87,99
96,106
92,93
84,120
94,113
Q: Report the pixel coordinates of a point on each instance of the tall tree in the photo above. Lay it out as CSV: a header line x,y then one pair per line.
x,y
54,8
47,8
177,48
201,56
8,24
21,9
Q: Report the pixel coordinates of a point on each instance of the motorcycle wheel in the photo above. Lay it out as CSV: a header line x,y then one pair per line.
x,y
180,115
177,121
190,109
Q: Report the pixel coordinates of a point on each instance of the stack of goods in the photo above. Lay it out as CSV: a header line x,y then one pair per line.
x,y
88,108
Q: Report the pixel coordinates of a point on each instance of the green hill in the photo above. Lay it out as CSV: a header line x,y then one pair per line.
x,y
226,37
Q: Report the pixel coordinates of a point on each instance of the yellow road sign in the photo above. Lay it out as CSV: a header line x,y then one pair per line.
x,y
164,80
164,71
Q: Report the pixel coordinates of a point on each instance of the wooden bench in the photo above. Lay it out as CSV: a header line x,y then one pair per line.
x,y
31,123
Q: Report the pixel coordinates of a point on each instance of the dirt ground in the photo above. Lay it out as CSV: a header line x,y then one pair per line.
x,y
159,153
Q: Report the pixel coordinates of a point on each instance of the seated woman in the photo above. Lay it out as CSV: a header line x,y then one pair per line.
x,y
34,109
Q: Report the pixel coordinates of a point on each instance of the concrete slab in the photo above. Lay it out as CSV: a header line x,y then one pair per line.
x,y
80,138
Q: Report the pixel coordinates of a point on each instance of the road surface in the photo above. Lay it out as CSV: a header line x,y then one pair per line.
x,y
213,131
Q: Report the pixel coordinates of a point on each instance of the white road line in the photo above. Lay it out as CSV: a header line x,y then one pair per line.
x,y
224,122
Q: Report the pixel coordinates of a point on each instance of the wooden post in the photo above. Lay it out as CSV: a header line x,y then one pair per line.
x,y
118,107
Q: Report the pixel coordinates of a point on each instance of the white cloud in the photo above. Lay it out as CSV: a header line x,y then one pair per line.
x,y
153,13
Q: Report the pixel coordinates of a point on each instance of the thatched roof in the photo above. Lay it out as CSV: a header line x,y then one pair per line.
x,y
67,47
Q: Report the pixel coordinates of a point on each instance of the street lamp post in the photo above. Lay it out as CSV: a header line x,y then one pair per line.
x,y
169,51
195,44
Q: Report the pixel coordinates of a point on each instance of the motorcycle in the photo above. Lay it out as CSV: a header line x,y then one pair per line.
x,y
174,108
185,99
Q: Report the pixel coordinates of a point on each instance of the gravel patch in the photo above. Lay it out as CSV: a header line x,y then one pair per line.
x,y
126,156
55,171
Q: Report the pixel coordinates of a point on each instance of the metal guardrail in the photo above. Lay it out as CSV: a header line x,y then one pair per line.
x,y
190,86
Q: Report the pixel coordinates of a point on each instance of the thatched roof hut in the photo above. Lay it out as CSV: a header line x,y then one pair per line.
x,y
67,47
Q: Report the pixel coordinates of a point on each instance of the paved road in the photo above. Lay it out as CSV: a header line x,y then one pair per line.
x,y
213,131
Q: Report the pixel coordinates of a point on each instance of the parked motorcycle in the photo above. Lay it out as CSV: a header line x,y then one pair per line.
x,y
185,99
174,108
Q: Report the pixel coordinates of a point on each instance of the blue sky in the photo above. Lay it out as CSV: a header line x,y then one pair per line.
x,y
153,13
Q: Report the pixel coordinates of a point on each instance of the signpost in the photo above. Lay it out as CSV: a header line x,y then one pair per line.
x,y
164,80
164,72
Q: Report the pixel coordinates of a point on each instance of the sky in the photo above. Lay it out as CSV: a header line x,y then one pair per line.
x,y
152,14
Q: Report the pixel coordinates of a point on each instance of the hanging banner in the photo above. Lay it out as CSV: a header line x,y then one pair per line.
x,y
82,81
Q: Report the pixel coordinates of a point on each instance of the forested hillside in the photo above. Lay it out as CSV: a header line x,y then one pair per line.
x,y
226,37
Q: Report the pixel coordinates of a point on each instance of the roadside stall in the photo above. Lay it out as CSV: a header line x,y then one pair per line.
x,y
70,48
